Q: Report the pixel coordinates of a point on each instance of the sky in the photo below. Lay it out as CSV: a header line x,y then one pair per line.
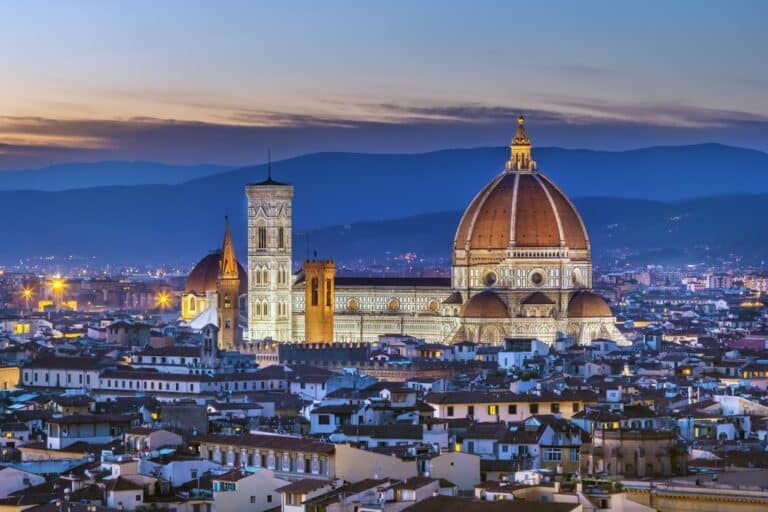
x,y
220,81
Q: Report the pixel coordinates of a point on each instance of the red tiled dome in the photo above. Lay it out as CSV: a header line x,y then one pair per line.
x,y
485,305
203,277
586,304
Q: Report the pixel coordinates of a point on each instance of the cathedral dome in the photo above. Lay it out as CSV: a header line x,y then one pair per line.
x,y
203,277
520,208
485,305
585,304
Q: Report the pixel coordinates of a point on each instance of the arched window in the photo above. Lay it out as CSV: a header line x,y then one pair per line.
x,y
192,303
265,276
258,308
262,237
328,292
314,291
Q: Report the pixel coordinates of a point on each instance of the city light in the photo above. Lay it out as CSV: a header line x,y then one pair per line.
x,y
57,284
163,300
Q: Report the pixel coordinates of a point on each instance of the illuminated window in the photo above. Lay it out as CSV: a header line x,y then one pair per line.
x,y
492,409
328,292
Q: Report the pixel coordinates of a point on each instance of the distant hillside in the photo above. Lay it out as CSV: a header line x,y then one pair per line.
x,y
681,231
178,223
103,174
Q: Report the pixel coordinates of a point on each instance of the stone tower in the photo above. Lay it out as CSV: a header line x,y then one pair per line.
x,y
319,297
209,351
269,259
228,290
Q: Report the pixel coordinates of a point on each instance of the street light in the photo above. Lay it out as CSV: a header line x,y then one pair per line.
x,y
163,300
27,294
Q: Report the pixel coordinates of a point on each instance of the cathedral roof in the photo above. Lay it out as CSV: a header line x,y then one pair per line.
x,y
586,304
520,208
485,305
203,277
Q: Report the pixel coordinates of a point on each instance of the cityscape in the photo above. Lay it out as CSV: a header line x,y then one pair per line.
x,y
504,267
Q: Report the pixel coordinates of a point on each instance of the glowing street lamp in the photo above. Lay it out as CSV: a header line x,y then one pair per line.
x,y
26,293
57,285
163,300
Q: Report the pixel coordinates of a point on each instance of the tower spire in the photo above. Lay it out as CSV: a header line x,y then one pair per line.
x,y
228,264
520,149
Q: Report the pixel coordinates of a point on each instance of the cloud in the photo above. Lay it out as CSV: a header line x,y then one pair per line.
x,y
241,136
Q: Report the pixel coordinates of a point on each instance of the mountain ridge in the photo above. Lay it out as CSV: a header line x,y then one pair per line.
x,y
179,222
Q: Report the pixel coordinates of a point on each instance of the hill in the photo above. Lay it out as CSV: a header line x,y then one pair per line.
x,y
652,231
103,174
178,223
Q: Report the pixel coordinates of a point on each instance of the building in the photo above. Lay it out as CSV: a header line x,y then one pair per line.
x,y
521,268
200,297
634,453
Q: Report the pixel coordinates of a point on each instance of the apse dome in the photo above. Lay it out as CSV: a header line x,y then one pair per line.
x,y
586,304
204,275
485,305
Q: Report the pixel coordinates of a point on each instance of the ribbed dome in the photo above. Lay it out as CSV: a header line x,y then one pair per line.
x,y
485,305
520,209
585,304
205,274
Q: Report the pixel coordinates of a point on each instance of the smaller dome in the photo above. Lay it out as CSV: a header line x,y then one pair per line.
x,y
537,299
586,304
203,277
485,305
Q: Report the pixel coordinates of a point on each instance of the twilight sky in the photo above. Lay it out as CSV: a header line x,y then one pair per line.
x,y
218,81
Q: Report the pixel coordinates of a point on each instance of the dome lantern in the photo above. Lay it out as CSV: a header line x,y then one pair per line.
x,y
520,150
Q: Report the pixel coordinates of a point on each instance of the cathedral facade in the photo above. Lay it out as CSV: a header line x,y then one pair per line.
x,y
521,267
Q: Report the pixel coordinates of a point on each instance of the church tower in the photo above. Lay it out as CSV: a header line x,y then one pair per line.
x,y
319,300
228,288
269,259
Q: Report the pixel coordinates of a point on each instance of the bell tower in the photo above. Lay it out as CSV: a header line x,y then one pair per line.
x,y
319,297
228,289
269,259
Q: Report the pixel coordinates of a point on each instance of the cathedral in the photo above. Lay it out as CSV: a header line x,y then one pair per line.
x,y
521,267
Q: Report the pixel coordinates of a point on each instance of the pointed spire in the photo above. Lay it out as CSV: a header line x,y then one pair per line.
x,y
228,263
520,149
